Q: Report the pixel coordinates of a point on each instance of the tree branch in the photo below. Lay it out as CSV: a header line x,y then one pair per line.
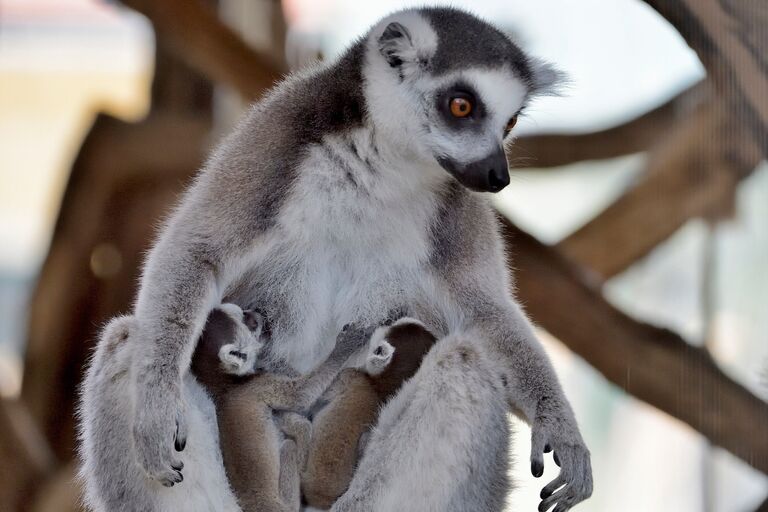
x,y
25,459
692,172
729,37
194,32
648,362
635,136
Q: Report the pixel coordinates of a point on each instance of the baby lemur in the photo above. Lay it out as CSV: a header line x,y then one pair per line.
x,y
351,406
263,439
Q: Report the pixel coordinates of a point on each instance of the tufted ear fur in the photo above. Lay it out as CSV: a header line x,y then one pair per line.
x,y
547,79
396,45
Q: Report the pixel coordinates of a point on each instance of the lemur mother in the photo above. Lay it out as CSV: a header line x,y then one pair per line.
x,y
352,189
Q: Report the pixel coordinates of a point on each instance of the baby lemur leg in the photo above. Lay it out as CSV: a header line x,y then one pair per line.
x,y
298,428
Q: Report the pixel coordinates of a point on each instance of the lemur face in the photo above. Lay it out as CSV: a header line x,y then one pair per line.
x,y
452,87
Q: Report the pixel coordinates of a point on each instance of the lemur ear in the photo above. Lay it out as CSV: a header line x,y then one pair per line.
x,y
547,80
395,45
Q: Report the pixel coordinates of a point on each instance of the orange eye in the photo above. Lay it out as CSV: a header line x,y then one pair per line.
x,y
510,124
460,107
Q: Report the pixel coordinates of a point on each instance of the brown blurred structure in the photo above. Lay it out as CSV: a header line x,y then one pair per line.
x,y
700,144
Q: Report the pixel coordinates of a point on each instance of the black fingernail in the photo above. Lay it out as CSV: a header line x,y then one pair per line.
x,y
547,448
557,460
537,468
180,444
181,477
178,467
545,494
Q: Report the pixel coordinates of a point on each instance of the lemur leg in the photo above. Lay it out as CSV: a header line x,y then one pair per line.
x,y
299,428
441,443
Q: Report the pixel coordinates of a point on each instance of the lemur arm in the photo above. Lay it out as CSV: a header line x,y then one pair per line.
x,y
533,388
181,283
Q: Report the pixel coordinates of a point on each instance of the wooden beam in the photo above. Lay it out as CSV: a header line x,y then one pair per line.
x,y
730,38
25,459
692,172
634,136
651,363
194,33
123,181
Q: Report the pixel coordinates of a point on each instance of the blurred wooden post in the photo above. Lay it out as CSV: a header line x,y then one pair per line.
x,y
123,181
25,459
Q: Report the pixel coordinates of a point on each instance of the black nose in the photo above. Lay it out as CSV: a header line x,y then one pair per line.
x,y
498,177
489,174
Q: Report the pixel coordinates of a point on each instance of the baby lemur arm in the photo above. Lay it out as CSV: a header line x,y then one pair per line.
x,y
298,394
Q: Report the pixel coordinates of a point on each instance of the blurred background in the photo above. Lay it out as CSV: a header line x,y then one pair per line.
x,y
638,215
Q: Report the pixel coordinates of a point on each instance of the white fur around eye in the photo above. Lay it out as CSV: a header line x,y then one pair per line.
x,y
502,93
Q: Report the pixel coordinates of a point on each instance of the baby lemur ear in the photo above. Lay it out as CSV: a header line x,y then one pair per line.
x,y
254,321
396,45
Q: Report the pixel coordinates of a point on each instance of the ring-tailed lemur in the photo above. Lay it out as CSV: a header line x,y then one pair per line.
x,y
350,189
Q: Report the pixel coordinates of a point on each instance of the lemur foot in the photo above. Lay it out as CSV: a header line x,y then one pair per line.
x,y
573,485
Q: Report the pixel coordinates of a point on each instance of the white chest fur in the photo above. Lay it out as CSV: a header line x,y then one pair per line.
x,y
356,232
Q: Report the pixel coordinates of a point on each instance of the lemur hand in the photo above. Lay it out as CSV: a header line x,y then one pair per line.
x,y
554,429
353,337
160,427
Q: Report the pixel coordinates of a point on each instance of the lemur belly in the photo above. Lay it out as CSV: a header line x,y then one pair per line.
x,y
334,258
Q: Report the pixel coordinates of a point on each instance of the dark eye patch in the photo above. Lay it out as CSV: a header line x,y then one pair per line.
x,y
465,91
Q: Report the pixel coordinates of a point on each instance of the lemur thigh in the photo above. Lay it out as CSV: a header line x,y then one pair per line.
x,y
353,405
113,480
441,444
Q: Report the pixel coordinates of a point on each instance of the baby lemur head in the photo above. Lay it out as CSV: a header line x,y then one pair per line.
x,y
408,341
449,87
228,346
